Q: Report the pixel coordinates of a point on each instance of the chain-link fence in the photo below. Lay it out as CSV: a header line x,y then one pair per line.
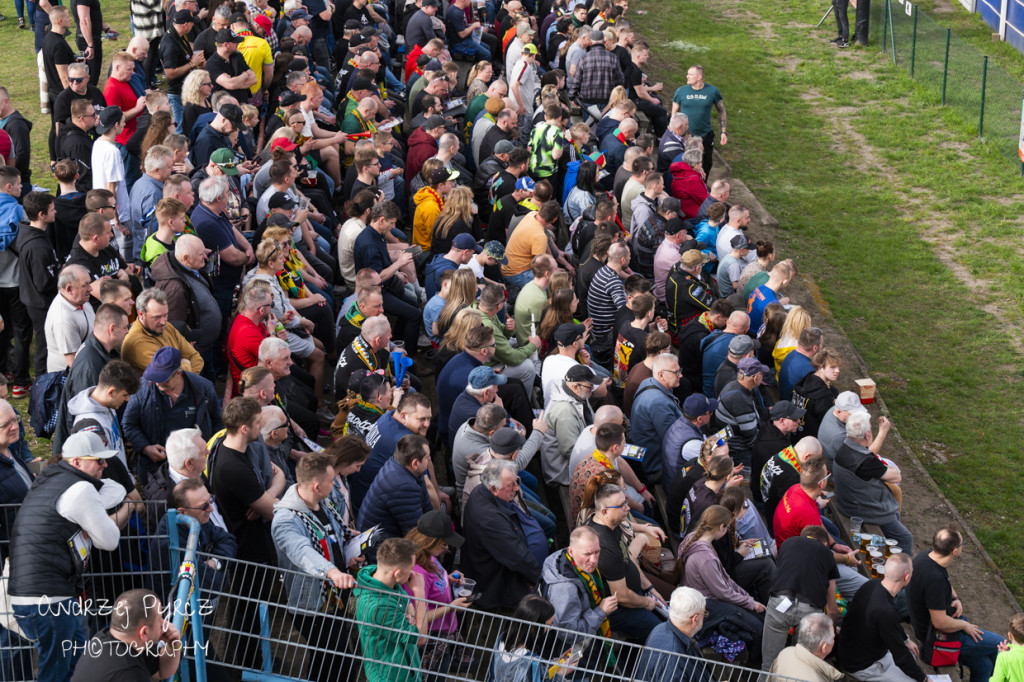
x,y
988,98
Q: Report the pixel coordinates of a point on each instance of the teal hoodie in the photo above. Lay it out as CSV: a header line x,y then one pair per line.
x,y
393,642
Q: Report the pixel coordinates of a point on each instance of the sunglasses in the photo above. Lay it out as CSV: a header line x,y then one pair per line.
x,y
206,507
75,80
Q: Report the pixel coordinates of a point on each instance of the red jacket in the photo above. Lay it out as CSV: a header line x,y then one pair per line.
x,y
410,61
688,187
421,147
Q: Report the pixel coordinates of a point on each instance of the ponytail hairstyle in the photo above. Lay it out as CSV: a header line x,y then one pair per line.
x,y
713,517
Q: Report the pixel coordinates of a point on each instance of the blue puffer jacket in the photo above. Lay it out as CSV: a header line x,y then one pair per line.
x,y
396,500
143,422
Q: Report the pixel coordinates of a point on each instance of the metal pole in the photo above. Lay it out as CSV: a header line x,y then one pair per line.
x,y
945,67
892,32
913,44
984,77
885,25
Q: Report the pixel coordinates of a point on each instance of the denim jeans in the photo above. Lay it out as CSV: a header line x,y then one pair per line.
x,y
59,633
980,657
15,657
521,280
635,623
177,109
470,47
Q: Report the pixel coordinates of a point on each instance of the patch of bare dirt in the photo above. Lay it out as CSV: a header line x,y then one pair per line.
x,y
861,75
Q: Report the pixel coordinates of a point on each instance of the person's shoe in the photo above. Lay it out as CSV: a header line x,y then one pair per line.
x,y
21,22
836,39
20,392
325,415
843,44
424,341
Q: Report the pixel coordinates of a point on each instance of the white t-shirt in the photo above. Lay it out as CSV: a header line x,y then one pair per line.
x,y
552,373
107,167
66,328
474,265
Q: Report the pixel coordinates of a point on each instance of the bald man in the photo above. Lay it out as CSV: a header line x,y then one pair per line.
x,y
585,446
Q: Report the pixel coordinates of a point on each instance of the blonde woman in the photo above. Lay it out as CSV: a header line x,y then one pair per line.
x,y
195,95
270,259
454,342
457,216
618,95
797,320
479,79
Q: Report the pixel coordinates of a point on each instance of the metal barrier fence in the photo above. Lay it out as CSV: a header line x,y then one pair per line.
x,y
986,96
254,631
136,563
235,620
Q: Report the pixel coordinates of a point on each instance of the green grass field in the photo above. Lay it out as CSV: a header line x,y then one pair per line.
x,y
871,180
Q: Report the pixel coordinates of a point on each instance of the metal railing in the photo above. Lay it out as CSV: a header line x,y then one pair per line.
x,y
134,564
987,97
235,619
268,641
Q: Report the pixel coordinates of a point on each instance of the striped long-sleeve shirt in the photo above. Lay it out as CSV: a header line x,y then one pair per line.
x,y
605,297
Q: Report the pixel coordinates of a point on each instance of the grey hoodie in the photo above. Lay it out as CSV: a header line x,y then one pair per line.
x,y
468,441
566,416
83,407
478,461
568,595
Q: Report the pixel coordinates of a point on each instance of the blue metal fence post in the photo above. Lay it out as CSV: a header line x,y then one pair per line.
x,y
885,25
892,30
913,44
984,79
945,66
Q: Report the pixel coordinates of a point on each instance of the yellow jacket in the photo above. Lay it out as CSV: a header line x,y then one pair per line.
x,y
428,206
141,344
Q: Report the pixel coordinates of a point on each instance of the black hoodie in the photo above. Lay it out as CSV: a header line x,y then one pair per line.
x,y
37,267
20,128
820,398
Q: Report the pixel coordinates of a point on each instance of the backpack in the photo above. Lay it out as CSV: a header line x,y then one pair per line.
x,y
44,402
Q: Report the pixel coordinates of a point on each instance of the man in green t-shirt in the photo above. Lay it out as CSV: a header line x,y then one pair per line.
x,y
695,99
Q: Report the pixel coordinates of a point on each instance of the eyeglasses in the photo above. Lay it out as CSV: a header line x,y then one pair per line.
x,y
10,422
206,507
279,426
101,460
75,80
620,506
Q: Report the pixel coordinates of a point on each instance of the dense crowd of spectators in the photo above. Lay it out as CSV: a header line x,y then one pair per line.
x,y
455,272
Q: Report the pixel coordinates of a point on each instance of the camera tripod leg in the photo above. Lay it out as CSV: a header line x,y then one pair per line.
x,y
824,16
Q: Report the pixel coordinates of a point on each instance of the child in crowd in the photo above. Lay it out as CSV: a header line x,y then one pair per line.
x,y
1010,661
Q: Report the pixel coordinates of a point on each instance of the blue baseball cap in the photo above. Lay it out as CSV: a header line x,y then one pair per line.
x,y
464,241
165,362
525,183
483,376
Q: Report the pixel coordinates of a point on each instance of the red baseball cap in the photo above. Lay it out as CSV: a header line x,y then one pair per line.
x,y
283,143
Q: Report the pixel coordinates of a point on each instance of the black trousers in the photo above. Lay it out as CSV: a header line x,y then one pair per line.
x,y
842,20
709,149
96,63
17,327
38,317
657,115
327,631
408,318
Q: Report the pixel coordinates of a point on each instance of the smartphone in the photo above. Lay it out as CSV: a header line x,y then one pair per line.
x,y
415,250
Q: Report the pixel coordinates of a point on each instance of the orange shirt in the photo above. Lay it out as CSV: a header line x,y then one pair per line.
x,y
528,240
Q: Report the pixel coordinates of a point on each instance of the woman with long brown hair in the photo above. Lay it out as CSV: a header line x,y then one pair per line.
x,y
160,126
456,217
703,571
461,294
561,310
